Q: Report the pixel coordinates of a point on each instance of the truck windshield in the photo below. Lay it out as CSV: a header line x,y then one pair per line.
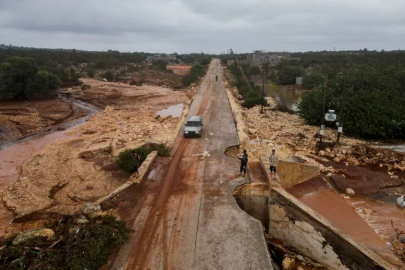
x,y
193,124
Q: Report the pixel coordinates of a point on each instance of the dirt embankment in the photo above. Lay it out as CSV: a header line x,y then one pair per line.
x,y
68,173
19,119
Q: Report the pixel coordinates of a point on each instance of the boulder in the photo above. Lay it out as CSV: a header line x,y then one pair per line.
x,y
400,201
321,153
350,191
33,234
252,131
91,210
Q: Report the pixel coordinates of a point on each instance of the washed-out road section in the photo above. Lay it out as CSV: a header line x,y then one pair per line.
x,y
193,222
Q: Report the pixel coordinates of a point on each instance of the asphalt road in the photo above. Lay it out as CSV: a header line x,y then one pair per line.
x,y
193,221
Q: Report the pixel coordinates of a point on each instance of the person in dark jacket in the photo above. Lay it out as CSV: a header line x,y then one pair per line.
x,y
243,162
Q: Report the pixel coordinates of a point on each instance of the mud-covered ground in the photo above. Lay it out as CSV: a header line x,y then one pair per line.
x,y
21,119
80,168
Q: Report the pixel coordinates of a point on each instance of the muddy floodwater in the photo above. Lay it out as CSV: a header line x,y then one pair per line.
x,y
174,111
15,153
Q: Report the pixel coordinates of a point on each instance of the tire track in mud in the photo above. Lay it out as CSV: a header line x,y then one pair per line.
x,y
141,249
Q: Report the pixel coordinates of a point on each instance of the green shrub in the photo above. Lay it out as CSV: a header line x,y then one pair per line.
x,y
288,74
313,80
160,64
205,61
193,75
127,162
21,79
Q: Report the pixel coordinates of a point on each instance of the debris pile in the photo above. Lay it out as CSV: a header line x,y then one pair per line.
x,y
64,244
272,129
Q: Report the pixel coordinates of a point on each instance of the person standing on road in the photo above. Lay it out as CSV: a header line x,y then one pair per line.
x,y
243,162
273,158
216,78
137,161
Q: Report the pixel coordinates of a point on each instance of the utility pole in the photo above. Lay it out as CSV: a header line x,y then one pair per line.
x,y
240,69
322,131
340,126
264,75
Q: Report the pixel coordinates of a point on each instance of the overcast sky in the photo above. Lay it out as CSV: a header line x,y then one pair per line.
x,y
210,26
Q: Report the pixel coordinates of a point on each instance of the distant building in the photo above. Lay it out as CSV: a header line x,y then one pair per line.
x,y
261,57
170,58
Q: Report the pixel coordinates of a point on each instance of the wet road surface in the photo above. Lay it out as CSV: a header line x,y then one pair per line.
x,y
193,221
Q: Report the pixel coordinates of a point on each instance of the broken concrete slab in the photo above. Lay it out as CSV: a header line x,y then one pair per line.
x,y
292,173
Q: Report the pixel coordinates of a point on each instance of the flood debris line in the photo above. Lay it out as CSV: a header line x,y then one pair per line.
x,y
70,242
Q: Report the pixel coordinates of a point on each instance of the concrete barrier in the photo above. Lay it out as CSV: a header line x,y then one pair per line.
x,y
293,173
300,227
289,173
147,163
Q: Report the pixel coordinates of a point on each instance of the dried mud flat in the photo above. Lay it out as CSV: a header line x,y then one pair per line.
x,y
68,173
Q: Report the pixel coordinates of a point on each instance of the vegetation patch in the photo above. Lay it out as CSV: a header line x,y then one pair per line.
x,y
194,75
75,246
251,94
20,79
128,161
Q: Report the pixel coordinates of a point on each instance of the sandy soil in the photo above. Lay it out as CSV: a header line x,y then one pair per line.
x,y
179,69
25,118
67,173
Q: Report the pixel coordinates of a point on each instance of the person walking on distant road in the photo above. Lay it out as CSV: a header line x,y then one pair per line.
x,y
243,162
273,158
216,78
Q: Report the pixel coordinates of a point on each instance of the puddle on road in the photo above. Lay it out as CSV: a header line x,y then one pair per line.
x,y
174,111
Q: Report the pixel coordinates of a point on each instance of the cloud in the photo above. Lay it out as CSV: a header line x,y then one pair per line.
x,y
208,26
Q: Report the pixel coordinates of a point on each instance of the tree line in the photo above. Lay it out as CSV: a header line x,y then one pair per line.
x,y
374,107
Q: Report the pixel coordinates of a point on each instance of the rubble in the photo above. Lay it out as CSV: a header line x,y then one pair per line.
x,y
272,129
350,191
91,210
33,234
